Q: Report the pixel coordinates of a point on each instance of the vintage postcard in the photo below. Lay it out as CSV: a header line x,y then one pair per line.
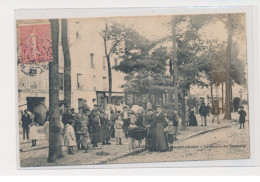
x,y
136,89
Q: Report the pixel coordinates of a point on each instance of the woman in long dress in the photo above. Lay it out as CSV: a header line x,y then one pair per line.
x,y
152,130
192,118
161,143
105,135
95,129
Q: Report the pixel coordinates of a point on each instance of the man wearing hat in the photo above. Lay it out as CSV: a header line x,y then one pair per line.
x,y
203,110
26,121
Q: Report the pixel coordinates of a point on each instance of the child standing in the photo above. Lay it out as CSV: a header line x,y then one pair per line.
x,y
33,133
119,130
242,117
69,137
169,131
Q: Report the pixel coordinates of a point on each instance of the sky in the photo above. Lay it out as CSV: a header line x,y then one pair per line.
x,y
156,27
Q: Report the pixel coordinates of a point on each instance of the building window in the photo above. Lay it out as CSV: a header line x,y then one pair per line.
x,y
79,82
104,63
115,61
61,82
92,60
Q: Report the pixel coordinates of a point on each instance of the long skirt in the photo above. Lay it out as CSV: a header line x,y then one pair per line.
x,y
193,121
105,135
161,143
85,140
242,119
34,133
152,138
95,135
119,133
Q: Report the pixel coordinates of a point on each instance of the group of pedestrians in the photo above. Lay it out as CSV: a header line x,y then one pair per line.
x,y
204,111
101,124
92,127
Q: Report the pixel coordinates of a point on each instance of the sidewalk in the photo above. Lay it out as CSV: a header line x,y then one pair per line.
x,y
25,145
192,131
37,156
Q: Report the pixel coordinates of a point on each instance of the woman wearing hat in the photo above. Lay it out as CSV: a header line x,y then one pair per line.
x,y
161,143
152,130
192,118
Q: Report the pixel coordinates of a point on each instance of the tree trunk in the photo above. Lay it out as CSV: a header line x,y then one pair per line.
x,y
109,80
211,91
222,89
67,62
54,127
228,65
183,110
174,59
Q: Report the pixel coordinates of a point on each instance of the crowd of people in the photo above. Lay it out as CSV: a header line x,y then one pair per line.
x,y
100,124
97,126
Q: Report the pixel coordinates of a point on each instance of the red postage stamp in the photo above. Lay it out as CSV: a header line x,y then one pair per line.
x,y
35,43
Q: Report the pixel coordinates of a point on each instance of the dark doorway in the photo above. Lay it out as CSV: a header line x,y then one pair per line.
x,y
37,106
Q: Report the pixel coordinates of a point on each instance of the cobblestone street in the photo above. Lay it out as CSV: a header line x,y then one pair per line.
x,y
34,158
226,143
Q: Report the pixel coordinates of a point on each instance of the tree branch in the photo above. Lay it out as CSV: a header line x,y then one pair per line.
x,y
220,19
115,44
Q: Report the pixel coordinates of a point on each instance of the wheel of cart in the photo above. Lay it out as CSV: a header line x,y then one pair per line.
x,y
138,137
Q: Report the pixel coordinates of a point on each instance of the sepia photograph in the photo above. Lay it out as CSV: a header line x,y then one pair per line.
x,y
132,89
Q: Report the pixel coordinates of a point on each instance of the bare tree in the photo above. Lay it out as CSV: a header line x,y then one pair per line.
x,y
55,150
112,37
